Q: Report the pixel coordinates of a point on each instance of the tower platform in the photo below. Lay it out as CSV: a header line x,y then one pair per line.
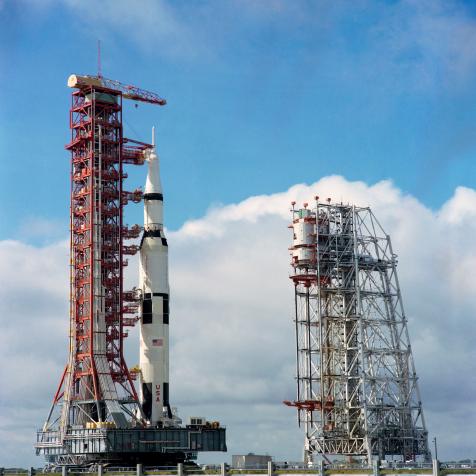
x,y
157,446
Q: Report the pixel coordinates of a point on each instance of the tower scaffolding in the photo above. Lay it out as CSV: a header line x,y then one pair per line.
x,y
357,388
96,415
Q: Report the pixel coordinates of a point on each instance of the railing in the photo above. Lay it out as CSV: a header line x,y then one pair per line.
x,y
450,465
203,469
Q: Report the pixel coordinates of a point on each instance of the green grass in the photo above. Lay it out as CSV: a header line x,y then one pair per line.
x,y
348,471
296,471
247,471
406,471
157,472
445,471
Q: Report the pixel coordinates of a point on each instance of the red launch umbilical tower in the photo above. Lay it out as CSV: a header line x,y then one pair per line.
x,y
97,416
96,388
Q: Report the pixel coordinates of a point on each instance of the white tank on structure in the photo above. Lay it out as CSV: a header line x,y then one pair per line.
x,y
304,238
154,283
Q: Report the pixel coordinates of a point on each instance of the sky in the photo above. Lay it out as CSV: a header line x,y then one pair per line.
x,y
369,102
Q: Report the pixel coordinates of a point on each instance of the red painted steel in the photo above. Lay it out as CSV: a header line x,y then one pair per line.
x,y
98,153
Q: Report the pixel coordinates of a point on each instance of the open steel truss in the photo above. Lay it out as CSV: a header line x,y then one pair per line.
x,y
357,391
96,389
96,417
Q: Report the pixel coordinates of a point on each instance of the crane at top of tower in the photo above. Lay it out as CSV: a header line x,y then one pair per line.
x,y
128,91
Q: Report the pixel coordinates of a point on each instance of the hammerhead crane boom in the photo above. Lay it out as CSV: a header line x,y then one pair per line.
x,y
128,91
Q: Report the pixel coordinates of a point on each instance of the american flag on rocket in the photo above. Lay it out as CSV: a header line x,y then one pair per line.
x,y
158,342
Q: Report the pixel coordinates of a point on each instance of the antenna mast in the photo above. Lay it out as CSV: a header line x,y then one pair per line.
x,y
99,59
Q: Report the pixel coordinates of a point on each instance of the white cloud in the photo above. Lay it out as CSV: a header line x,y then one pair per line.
x,y
231,306
462,208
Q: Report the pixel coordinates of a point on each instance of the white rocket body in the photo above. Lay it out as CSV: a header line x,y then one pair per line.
x,y
154,283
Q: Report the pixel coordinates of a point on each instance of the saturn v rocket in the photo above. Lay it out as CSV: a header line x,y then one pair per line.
x,y
154,284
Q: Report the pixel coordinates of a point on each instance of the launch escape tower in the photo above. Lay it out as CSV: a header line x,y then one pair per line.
x,y
96,414
357,390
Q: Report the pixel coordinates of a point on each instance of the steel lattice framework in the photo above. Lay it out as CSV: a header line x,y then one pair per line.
x,y
357,391
96,416
96,389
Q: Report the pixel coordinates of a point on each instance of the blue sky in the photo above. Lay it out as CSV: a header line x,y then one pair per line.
x,y
261,95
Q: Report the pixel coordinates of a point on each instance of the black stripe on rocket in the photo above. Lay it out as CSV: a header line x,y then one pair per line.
x,y
153,196
166,399
147,395
147,307
153,234
147,399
